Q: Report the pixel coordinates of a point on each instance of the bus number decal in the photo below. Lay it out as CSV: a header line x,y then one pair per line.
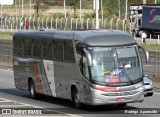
x,y
49,69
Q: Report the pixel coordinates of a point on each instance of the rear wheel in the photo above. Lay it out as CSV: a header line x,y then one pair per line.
x,y
32,90
76,98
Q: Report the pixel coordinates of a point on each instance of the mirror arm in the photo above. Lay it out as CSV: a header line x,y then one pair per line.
x,y
146,53
88,55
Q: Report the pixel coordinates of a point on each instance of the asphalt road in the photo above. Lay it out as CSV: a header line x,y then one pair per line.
x,y
12,97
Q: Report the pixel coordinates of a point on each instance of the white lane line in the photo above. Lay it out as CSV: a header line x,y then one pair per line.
x,y
24,104
156,93
29,105
6,70
12,105
4,101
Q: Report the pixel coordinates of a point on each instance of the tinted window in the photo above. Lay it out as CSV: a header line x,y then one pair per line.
x,y
27,47
36,48
54,46
47,49
59,50
68,51
18,46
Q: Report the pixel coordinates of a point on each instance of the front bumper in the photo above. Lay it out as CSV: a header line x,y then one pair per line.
x,y
102,97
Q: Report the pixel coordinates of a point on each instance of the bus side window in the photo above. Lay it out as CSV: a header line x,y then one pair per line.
x,y
36,48
80,53
47,49
39,48
18,45
85,67
27,47
59,49
68,51
54,47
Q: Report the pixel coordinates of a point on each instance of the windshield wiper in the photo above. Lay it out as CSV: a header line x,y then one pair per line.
x,y
100,83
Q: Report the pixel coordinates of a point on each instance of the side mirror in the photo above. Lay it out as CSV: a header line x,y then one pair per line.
x,y
88,55
146,53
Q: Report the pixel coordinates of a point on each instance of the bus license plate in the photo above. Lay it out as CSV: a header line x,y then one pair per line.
x,y
120,99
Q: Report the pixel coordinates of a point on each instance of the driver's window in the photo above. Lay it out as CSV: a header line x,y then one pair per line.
x,y
85,68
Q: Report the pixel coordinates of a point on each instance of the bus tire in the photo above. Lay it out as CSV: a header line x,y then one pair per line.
x,y
32,90
76,98
150,94
122,105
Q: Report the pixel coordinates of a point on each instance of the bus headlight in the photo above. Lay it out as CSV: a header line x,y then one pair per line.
x,y
140,89
96,91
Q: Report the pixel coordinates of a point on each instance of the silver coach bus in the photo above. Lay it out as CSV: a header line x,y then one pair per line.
x,y
93,67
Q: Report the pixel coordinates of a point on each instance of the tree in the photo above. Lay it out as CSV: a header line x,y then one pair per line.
x,y
119,9
42,5
126,13
158,1
74,3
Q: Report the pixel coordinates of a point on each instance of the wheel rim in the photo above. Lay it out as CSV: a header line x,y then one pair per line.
x,y
76,99
32,89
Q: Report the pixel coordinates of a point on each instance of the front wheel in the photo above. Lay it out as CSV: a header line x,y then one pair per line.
x,y
32,90
76,99
122,105
149,94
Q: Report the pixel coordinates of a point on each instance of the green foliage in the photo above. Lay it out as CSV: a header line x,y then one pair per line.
x,y
42,5
111,7
58,15
74,4
89,15
48,2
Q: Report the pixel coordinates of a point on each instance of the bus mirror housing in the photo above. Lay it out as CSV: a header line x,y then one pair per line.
x,y
88,55
146,53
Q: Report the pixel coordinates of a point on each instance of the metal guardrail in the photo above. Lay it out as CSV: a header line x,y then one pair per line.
x,y
13,24
153,67
6,48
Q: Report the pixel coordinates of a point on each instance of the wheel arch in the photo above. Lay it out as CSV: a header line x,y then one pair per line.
x,y
73,88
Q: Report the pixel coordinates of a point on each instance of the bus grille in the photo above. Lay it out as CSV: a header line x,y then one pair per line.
x,y
120,93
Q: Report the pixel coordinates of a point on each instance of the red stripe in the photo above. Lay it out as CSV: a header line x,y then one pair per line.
x,y
37,79
107,88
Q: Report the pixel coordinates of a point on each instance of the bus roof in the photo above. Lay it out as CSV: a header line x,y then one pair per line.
x,y
89,37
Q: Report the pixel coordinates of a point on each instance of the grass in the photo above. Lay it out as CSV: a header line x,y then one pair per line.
x,y
6,35
151,47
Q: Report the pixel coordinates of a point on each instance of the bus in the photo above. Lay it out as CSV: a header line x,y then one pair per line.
x,y
92,67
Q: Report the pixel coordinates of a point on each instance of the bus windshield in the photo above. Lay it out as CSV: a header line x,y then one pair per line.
x,y
115,65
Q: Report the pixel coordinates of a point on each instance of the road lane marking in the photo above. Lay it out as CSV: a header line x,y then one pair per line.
x,y
6,70
6,100
11,106
22,105
156,93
